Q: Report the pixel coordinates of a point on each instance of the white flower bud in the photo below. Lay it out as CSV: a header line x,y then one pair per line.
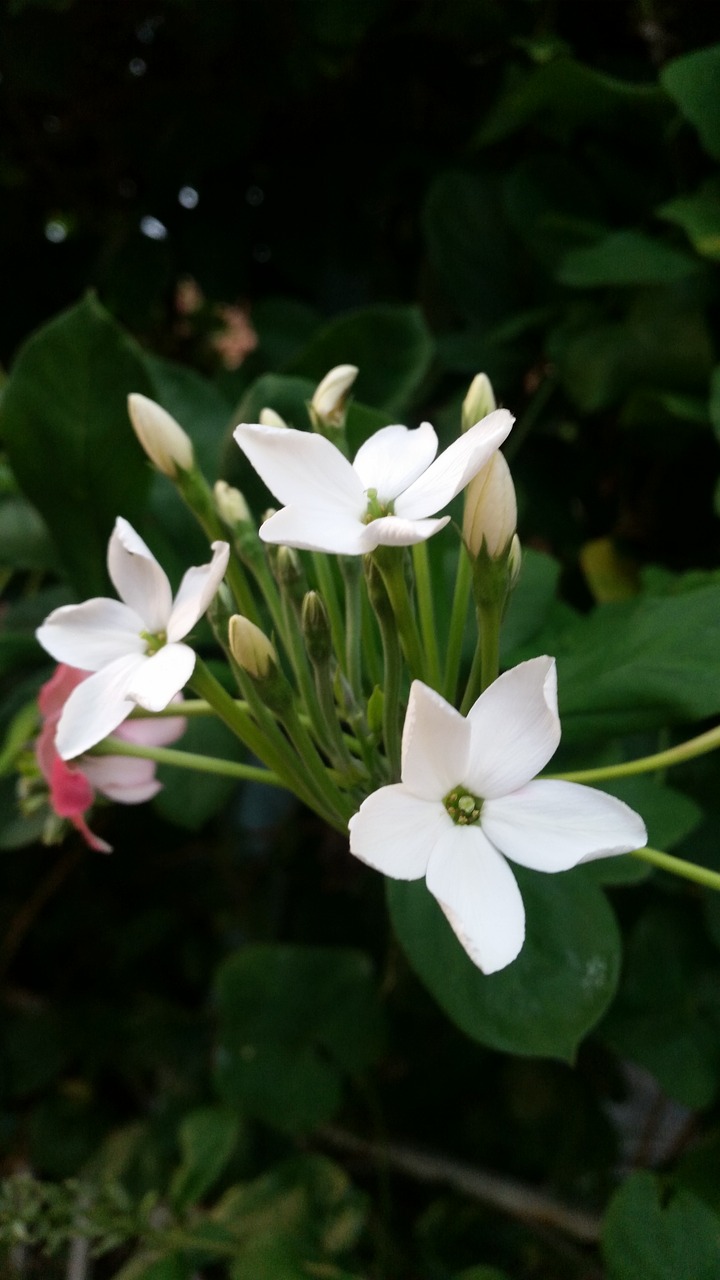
x,y
514,563
479,401
327,407
251,648
168,447
231,505
269,418
490,515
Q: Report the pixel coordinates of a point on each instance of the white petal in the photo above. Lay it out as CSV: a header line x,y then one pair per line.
x,y
435,744
395,456
121,778
479,895
515,729
160,677
96,707
455,467
395,832
92,634
552,826
392,531
137,577
315,530
196,590
302,469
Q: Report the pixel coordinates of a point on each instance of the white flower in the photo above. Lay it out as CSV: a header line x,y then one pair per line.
x,y
466,799
383,498
490,514
132,647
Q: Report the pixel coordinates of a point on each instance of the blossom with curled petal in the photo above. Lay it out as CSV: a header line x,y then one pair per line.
x,y
131,645
467,802
383,498
72,787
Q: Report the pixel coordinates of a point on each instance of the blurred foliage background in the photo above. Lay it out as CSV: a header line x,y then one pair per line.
x,y
253,192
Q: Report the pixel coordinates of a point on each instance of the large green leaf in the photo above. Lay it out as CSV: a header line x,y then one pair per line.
x,y
547,999
648,1236
207,1139
65,425
692,81
699,216
624,258
293,1020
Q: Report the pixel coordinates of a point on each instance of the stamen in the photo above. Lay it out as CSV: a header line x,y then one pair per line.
x,y
464,808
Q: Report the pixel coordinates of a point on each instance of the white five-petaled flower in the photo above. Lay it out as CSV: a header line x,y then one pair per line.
x,y
382,498
467,802
132,647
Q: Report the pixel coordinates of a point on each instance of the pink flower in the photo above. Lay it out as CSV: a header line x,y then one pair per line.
x,y
121,778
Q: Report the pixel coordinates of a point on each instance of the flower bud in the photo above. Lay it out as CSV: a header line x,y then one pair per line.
x,y
490,515
167,446
251,648
316,628
329,403
231,505
479,401
269,418
514,563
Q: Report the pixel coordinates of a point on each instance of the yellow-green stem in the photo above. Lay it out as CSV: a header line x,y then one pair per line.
x,y
458,622
187,760
678,867
698,746
426,609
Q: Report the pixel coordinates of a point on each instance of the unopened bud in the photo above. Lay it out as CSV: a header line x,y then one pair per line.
x,y
514,564
231,505
479,401
168,447
269,418
316,628
490,515
251,648
329,403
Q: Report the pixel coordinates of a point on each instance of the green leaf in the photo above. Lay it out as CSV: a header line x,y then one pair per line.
x,y
546,1000
155,1265
65,425
692,82
208,1138
530,602
699,216
293,1020
650,1235
390,345
25,542
624,258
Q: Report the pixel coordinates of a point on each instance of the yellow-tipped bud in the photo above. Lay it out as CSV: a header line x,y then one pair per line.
x,y
251,648
329,403
490,515
479,401
231,506
168,447
269,418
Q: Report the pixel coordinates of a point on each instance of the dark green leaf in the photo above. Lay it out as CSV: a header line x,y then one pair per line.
x,y
207,1140
624,258
191,799
647,1234
699,216
692,81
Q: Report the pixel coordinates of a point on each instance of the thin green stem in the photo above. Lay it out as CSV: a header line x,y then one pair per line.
x,y
426,609
303,675
458,622
392,568
187,760
698,746
307,751
198,497
339,752
351,569
490,621
190,707
391,696
473,688
678,867
328,591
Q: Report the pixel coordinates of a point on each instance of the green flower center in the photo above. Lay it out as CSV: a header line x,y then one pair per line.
x,y
376,508
464,808
153,640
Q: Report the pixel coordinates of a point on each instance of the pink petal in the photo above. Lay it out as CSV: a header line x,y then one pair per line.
x,y
123,778
55,692
70,791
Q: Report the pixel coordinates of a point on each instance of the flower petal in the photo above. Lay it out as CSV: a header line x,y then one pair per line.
x,y
92,634
53,695
455,467
515,729
394,457
315,530
479,895
551,825
137,577
395,832
160,677
96,707
392,531
196,590
154,732
435,744
71,792
100,846
122,778
302,469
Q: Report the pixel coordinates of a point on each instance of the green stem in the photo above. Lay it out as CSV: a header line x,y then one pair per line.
x,y
328,591
391,566
187,760
678,867
698,746
458,621
307,751
339,751
486,662
426,609
198,496
370,651
191,708
351,569
301,667
391,696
